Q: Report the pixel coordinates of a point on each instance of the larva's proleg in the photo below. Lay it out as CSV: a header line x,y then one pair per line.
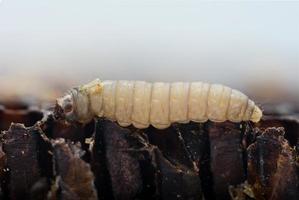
x,y
158,104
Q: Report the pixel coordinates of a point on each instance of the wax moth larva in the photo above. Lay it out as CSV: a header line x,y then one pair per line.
x,y
158,104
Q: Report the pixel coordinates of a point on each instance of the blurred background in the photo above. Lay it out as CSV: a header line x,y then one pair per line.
x,y
47,46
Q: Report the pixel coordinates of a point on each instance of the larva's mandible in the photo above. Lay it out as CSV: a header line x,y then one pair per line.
x,y
141,103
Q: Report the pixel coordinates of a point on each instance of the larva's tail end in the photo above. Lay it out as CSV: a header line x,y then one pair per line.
x,y
256,114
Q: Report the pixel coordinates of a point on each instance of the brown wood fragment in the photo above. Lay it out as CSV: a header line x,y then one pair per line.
x,y
181,162
3,179
138,169
2,161
243,191
61,129
177,181
171,143
23,148
226,152
122,154
179,152
74,176
197,143
290,123
272,166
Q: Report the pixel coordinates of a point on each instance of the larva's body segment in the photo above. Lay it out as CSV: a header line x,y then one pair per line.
x,y
249,110
237,106
109,99
178,102
218,101
81,100
159,113
95,98
141,104
124,102
158,104
198,98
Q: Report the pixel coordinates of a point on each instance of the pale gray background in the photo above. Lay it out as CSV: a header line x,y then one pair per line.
x,y
240,44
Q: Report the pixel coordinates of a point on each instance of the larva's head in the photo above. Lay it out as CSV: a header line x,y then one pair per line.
x,y
80,103
256,114
65,107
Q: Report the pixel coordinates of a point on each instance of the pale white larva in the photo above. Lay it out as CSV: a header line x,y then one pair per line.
x,y
158,104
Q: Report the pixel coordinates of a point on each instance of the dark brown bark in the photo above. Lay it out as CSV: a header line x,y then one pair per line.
x,y
272,169
186,161
27,163
73,175
226,152
138,169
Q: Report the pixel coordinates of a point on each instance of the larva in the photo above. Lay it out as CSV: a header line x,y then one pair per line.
x,y
158,104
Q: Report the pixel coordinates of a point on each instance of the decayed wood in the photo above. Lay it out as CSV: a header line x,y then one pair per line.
x,y
121,156
290,123
24,149
185,161
2,172
61,129
73,175
179,178
197,143
243,191
29,167
141,167
272,169
227,161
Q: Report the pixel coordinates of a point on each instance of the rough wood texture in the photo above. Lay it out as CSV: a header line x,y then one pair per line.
x,y
272,169
25,156
186,161
73,175
141,167
226,152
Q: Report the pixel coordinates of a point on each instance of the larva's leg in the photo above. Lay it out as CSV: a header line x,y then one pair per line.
x,y
237,106
159,113
94,90
109,99
179,102
197,103
124,102
218,102
141,104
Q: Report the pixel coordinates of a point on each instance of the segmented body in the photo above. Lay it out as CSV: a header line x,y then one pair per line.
x,y
160,104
